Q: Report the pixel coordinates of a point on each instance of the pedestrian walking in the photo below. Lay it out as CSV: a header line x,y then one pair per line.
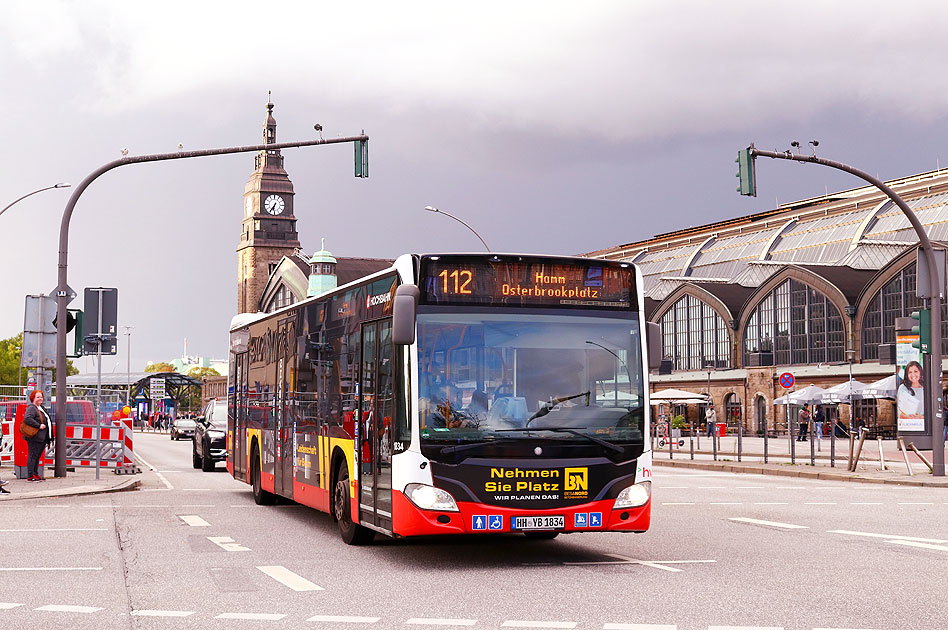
x,y
37,418
818,419
803,422
711,417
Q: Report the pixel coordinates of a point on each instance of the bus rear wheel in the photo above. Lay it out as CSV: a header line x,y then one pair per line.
x,y
260,496
352,533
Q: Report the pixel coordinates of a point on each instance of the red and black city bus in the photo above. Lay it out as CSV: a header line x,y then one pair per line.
x,y
452,394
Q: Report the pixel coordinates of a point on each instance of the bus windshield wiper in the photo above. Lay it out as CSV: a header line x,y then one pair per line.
x,y
547,407
464,447
598,441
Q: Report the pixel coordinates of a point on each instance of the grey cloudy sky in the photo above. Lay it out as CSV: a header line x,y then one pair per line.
x,y
557,127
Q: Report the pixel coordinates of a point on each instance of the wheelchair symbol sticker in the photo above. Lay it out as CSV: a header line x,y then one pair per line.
x,y
495,522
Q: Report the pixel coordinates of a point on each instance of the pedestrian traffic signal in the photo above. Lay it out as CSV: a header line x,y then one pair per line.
x,y
746,173
923,330
73,322
361,158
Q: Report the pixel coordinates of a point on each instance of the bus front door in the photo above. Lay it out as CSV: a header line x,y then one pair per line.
x,y
376,410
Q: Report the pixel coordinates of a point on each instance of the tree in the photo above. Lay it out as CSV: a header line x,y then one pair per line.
x,y
10,351
161,366
201,372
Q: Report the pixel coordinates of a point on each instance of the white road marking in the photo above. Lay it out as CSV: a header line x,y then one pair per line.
x,y
510,623
194,520
162,613
343,619
50,568
160,476
64,529
887,536
227,543
921,545
754,521
424,621
7,606
69,609
636,626
288,578
916,503
251,616
655,564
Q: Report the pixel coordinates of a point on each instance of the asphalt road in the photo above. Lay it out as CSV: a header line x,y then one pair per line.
x,y
191,550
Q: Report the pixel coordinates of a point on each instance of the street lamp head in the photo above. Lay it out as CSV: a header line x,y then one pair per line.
x,y
431,209
63,185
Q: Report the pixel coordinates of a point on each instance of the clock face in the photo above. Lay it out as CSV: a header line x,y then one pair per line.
x,y
274,204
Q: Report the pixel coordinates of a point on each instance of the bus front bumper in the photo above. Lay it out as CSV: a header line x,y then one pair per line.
x,y
478,518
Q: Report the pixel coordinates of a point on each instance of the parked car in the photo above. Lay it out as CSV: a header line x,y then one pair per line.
x,y
182,428
209,444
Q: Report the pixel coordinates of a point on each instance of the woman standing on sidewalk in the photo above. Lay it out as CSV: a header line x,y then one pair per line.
x,y
37,418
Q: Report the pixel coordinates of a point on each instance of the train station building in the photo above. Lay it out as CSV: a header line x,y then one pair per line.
x,y
811,287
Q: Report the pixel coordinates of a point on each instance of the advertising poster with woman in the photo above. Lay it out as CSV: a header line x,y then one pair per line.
x,y
910,396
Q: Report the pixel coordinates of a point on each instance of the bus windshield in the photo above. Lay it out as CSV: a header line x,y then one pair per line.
x,y
500,375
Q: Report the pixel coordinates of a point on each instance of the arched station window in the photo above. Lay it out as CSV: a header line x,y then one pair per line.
x,y
694,336
895,299
732,410
796,323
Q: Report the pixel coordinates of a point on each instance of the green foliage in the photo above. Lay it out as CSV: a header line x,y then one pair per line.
x,y
678,422
161,366
10,350
201,372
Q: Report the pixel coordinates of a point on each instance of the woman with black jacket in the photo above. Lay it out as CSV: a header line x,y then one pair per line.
x,y
37,418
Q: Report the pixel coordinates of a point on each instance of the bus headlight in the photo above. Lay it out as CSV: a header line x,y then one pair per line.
x,y
635,495
430,498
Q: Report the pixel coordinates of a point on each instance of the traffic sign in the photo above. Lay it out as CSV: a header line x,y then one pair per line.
x,y
786,380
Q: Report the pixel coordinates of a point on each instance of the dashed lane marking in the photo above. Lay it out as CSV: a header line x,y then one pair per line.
x,y
69,609
52,529
513,623
8,606
194,520
755,521
934,541
288,578
921,545
227,543
655,564
916,503
50,568
425,621
162,613
251,616
342,619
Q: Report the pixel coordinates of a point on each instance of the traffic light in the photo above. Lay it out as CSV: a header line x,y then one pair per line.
x,y
361,158
73,322
746,173
923,330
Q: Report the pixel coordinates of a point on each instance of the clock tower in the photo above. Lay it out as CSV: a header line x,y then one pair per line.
x,y
268,231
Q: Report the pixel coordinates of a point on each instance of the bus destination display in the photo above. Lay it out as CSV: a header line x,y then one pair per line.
x,y
450,280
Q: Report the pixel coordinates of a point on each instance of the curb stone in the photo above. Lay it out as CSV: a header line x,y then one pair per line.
x,y
804,474
75,491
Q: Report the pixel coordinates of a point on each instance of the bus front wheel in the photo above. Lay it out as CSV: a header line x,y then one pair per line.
x,y
352,533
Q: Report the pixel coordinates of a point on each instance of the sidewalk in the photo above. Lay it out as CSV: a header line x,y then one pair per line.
x,y
80,482
869,469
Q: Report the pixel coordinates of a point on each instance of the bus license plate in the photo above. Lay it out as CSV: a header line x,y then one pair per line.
x,y
539,522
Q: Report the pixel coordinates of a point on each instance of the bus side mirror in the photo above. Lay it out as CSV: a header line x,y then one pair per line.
x,y
653,339
403,314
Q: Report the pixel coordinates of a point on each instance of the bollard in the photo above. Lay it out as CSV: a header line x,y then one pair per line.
x,y
905,457
881,455
691,441
766,431
793,441
833,445
740,433
922,457
862,438
810,429
852,445
670,439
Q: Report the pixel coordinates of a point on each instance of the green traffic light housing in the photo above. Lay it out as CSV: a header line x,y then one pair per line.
x,y
923,330
746,172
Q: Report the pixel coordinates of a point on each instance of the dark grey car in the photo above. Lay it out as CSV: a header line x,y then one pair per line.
x,y
210,436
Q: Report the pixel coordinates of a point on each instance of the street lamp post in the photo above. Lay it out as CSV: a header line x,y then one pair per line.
x,y
128,364
934,393
64,294
447,214
59,185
